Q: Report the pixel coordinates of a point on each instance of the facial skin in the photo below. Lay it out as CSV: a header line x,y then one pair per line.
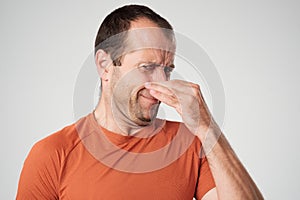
x,y
125,102
129,93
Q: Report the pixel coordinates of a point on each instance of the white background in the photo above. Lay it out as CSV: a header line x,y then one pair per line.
x,y
254,45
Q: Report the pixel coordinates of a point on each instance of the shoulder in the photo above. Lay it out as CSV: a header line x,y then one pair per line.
x,y
40,175
62,141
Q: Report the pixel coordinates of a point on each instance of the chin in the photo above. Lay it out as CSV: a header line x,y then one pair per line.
x,y
150,116
141,121
143,110
144,121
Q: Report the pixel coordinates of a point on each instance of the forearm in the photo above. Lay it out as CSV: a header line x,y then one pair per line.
x,y
231,178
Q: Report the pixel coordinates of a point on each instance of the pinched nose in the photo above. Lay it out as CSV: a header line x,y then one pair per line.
x,y
159,75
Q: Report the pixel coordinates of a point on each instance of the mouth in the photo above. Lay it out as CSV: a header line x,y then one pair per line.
x,y
144,104
149,98
145,95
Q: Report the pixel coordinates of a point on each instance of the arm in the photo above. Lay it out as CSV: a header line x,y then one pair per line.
x,y
231,178
211,195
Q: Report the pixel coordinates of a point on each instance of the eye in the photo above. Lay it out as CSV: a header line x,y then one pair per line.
x,y
149,67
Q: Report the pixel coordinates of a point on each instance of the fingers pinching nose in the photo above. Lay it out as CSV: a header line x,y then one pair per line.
x,y
153,92
147,85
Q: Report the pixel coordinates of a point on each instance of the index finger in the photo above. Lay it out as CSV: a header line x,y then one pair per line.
x,y
159,87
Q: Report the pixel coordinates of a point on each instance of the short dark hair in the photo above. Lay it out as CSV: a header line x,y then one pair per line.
x,y
119,21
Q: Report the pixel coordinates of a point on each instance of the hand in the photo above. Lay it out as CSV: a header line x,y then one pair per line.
x,y
188,101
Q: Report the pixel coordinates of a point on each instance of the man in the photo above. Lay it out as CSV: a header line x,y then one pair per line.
x,y
121,150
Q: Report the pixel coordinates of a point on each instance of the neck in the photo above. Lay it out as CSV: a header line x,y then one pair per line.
x,y
104,117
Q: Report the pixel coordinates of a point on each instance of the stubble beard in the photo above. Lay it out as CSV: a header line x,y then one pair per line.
x,y
140,115
135,112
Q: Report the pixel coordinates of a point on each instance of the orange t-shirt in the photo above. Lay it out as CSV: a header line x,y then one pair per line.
x,y
65,165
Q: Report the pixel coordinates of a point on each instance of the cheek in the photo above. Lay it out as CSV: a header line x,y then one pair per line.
x,y
133,82
128,85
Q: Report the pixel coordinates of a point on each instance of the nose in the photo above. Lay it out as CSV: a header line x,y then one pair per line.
x,y
159,74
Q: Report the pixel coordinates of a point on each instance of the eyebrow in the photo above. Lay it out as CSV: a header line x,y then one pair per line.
x,y
156,64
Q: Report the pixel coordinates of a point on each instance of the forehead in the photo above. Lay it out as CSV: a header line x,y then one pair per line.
x,y
148,55
149,45
149,38
146,42
145,34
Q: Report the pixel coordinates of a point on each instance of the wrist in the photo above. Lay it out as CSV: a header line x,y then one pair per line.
x,y
209,137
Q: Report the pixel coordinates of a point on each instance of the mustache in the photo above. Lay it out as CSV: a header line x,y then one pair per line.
x,y
146,93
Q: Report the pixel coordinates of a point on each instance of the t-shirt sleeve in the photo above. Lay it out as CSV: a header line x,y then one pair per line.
x,y
40,174
205,179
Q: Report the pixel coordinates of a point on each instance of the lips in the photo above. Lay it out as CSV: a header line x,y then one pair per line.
x,y
144,93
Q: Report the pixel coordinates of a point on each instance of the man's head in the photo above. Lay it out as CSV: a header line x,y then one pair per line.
x,y
119,21
134,45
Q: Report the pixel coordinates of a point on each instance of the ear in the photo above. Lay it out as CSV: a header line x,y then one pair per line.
x,y
102,60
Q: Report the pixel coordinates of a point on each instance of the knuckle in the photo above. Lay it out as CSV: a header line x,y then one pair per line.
x,y
195,89
196,86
